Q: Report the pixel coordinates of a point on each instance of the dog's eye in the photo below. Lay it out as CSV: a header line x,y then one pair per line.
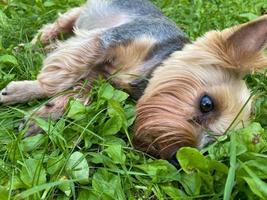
x,y
206,104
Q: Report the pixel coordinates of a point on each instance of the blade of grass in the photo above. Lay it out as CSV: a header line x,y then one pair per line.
x,y
39,188
231,174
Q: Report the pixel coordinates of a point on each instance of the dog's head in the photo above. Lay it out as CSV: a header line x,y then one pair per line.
x,y
198,92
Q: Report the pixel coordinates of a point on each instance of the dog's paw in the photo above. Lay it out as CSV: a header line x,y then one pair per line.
x,y
31,128
20,92
12,93
46,34
52,110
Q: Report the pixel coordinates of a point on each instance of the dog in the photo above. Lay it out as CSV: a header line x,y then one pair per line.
x,y
188,92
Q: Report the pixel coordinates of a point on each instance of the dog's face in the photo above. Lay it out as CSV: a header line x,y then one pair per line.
x,y
198,92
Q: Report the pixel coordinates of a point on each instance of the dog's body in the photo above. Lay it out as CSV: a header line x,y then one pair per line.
x,y
128,35
189,92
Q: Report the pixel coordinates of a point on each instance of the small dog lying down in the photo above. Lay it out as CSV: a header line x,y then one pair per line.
x,y
192,88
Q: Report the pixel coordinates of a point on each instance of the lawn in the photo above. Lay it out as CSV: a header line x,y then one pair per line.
x,y
88,153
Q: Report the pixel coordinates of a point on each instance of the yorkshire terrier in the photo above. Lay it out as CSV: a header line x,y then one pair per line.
x,y
185,90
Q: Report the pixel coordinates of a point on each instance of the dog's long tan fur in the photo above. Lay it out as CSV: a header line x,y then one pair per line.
x,y
168,112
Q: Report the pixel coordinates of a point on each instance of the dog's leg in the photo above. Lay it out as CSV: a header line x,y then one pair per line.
x,y
62,69
21,91
63,24
72,61
55,108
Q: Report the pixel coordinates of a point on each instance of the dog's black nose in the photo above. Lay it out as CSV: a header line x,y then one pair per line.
x,y
173,160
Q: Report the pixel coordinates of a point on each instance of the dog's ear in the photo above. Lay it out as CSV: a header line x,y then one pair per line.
x,y
245,43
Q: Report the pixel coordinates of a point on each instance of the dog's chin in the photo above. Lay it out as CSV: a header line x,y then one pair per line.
x,y
205,140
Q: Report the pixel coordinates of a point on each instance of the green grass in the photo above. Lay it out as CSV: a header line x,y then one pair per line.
x,y
88,153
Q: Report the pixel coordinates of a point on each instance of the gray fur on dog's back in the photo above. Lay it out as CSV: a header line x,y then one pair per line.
x,y
138,7
104,10
135,18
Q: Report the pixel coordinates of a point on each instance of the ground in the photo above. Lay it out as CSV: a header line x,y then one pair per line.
x,y
88,153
